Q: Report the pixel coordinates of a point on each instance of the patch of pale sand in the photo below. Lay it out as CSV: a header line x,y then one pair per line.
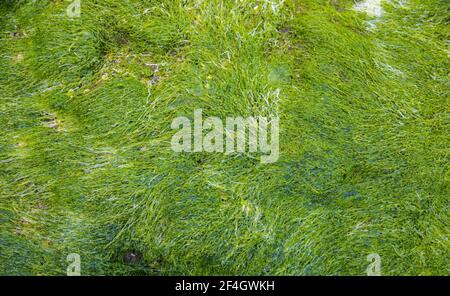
x,y
371,7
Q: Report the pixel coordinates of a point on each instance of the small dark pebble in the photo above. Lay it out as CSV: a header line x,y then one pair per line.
x,y
285,30
131,257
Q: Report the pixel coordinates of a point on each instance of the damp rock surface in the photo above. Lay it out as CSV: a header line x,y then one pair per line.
x,y
371,7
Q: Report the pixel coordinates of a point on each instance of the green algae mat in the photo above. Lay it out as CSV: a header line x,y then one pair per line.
x,y
354,95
